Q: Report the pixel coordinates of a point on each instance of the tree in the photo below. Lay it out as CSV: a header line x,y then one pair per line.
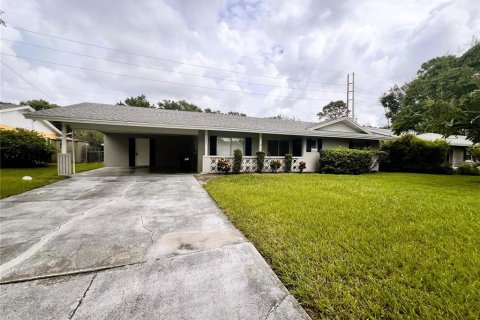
x,y
181,105
282,117
39,104
444,97
333,110
139,101
392,101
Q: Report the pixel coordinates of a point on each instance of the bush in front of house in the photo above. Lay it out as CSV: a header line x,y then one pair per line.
x,y
260,160
475,152
467,170
22,148
347,161
224,165
411,154
302,165
288,163
237,161
275,165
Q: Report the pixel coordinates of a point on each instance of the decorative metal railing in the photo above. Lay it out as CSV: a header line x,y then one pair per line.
x,y
249,163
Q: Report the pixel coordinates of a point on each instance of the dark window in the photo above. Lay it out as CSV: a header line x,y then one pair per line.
x,y
319,144
277,148
248,146
311,143
213,145
359,144
297,147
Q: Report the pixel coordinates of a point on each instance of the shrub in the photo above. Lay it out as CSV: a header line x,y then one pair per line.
x,y
347,161
288,162
467,170
260,161
302,165
237,161
24,148
411,154
475,152
275,164
223,165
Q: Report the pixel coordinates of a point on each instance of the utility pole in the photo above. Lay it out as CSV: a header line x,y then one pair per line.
x,y
351,94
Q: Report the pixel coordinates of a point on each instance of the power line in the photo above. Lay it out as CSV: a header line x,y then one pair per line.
x,y
96,28
161,59
21,77
161,81
165,70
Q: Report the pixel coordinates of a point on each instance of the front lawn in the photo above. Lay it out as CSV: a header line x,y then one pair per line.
x,y
11,182
386,245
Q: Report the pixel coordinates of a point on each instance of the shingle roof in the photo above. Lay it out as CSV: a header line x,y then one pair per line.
x,y
5,106
95,111
121,115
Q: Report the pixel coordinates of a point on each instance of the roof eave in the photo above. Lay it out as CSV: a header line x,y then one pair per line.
x,y
313,133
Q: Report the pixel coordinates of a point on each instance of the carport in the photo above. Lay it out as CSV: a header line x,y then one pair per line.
x,y
160,149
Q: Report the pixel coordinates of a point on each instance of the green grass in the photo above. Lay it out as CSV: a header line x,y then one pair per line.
x,y
381,245
11,182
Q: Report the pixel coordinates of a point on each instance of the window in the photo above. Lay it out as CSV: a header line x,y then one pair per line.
x,y
277,148
226,145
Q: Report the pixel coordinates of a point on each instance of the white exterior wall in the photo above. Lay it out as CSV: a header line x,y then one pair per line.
x,y
332,143
115,150
16,119
340,127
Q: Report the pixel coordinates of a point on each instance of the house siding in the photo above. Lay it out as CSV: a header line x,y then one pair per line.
x,y
115,150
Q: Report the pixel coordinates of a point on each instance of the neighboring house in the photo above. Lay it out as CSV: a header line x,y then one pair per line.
x,y
193,141
458,152
12,117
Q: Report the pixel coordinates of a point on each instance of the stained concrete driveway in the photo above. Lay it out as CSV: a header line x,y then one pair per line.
x,y
122,244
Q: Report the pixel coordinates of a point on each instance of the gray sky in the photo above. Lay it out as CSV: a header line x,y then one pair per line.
x,y
262,58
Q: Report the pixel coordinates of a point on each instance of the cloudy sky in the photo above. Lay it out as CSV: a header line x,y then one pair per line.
x,y
262,58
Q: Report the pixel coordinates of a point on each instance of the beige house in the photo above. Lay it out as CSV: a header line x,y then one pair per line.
x,y
12,116
179,141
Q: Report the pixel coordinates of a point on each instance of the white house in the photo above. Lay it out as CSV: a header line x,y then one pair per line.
x,y
12,116
193,141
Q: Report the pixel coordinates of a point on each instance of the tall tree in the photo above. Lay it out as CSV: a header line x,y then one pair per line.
x,y
39,104
181,105
444,97
333,110
139,101
392,101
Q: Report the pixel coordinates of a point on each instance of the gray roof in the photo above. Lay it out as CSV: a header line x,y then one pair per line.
x,y
121,115
5,106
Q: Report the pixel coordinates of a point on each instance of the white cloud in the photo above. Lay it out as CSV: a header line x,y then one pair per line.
x,y
309,45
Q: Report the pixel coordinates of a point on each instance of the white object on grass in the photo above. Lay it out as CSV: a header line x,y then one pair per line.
x,y
27,178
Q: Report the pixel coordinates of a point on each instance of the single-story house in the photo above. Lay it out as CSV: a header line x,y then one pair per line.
x,y
459,144
193,141
12,117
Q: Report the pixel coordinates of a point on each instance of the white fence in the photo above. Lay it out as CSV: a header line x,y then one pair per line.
x,y
249,164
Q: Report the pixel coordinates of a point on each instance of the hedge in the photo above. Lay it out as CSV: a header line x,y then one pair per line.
x,y
22,148
347,161
260,161
411,154
237,160
288,163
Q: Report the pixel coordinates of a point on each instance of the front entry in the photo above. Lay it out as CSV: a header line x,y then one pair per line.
x,y
142,152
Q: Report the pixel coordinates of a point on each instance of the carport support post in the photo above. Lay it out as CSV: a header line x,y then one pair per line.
x,y
64,163
260,142
206,142
73,153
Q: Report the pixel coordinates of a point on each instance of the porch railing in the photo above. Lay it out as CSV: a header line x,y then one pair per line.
x,y
249,163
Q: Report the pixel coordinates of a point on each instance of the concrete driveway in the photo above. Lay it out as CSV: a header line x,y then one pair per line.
x,y
122,244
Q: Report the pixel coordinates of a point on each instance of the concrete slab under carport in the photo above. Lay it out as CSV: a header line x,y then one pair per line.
x,y
145,245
